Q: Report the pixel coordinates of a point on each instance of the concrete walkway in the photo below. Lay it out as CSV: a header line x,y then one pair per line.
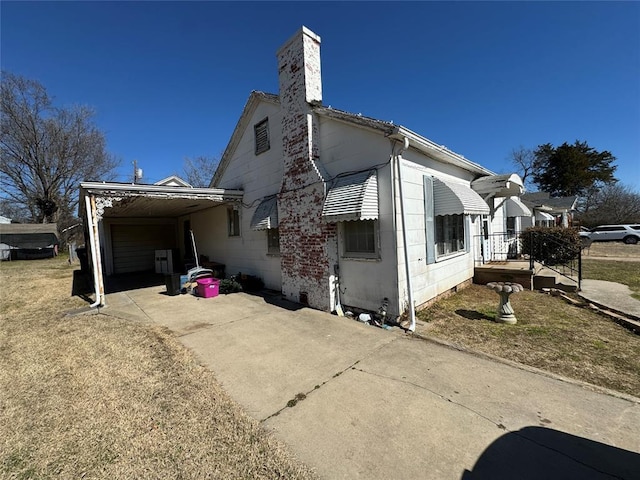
x,y
354,401
611,295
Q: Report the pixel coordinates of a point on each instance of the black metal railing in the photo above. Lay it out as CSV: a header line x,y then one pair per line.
x,y
559,256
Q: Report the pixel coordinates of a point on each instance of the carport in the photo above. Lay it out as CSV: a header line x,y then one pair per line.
x,y
125,224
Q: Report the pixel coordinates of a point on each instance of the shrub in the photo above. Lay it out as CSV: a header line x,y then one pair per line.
x,y
250,283
229,286
551,245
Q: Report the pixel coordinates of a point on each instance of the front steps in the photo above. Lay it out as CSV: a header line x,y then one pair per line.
x,y
519,272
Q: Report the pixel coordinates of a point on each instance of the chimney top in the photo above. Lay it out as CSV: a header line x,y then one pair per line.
x,y
301,32
299,70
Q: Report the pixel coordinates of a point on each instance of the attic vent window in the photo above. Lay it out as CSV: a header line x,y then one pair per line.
x,y
261,131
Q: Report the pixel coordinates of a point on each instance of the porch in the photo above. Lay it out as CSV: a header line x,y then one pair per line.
x,y
520,271
500,258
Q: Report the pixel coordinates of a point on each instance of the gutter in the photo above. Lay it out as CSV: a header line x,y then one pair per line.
x,y
99,187
398,160
439,152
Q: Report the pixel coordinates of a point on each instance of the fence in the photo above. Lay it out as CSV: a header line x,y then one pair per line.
x,y
562,257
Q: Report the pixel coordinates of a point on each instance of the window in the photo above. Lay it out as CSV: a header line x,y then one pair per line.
x,y
449,234
233,222
511,225
613,228
273,240
360,238
261,131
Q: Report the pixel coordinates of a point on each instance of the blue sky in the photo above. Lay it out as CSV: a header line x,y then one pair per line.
x,y
169,79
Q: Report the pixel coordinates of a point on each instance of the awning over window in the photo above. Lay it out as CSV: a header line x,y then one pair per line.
x,y
266,215
450,198
515,208
498,185
352,197
543,216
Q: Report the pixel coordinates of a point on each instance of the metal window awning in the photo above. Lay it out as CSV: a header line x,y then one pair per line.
x,y
498,185
543,216
352,197
451,198
265,215
515,208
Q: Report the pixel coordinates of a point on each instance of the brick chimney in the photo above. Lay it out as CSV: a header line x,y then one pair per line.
x,y
308,247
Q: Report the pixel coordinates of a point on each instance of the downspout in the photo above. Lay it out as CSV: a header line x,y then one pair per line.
x,y
94,254
412,313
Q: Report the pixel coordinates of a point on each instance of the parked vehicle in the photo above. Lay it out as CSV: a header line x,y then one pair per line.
x,y
629,234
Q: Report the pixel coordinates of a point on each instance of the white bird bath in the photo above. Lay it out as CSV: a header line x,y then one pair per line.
x,y
505,310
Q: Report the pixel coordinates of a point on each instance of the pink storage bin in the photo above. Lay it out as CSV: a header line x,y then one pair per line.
x,y
208,287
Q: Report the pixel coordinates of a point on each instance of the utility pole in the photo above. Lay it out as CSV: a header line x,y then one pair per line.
x,y
137,172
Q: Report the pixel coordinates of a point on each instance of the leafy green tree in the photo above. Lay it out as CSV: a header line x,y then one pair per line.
x,y
572,169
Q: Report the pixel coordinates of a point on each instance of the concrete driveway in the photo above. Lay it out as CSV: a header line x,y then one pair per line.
x,y
354,401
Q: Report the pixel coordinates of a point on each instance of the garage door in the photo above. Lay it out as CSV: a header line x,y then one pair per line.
x,y
134,246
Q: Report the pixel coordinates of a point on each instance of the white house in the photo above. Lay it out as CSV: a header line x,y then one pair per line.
x,y
322,203
550,211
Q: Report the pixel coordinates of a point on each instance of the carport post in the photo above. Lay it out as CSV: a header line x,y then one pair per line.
x,y
94,239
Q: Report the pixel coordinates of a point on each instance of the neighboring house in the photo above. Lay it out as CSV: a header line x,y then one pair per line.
x,y
320,203
550,211
173,181
26,241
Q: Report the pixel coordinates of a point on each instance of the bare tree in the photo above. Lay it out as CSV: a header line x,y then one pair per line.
x,y
613,203
199,170
523,159
46,151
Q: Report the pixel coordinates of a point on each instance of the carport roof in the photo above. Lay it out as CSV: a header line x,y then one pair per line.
x,y
135,200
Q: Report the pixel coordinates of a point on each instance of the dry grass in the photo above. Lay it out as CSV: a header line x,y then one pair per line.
x,y
613,249
550,334
96,397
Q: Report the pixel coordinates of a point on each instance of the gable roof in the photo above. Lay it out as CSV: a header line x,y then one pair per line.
x,y
243,122
542,201
388,129
173,181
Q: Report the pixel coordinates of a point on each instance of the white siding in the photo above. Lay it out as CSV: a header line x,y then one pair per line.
x,y
429,280
259,176
346,148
